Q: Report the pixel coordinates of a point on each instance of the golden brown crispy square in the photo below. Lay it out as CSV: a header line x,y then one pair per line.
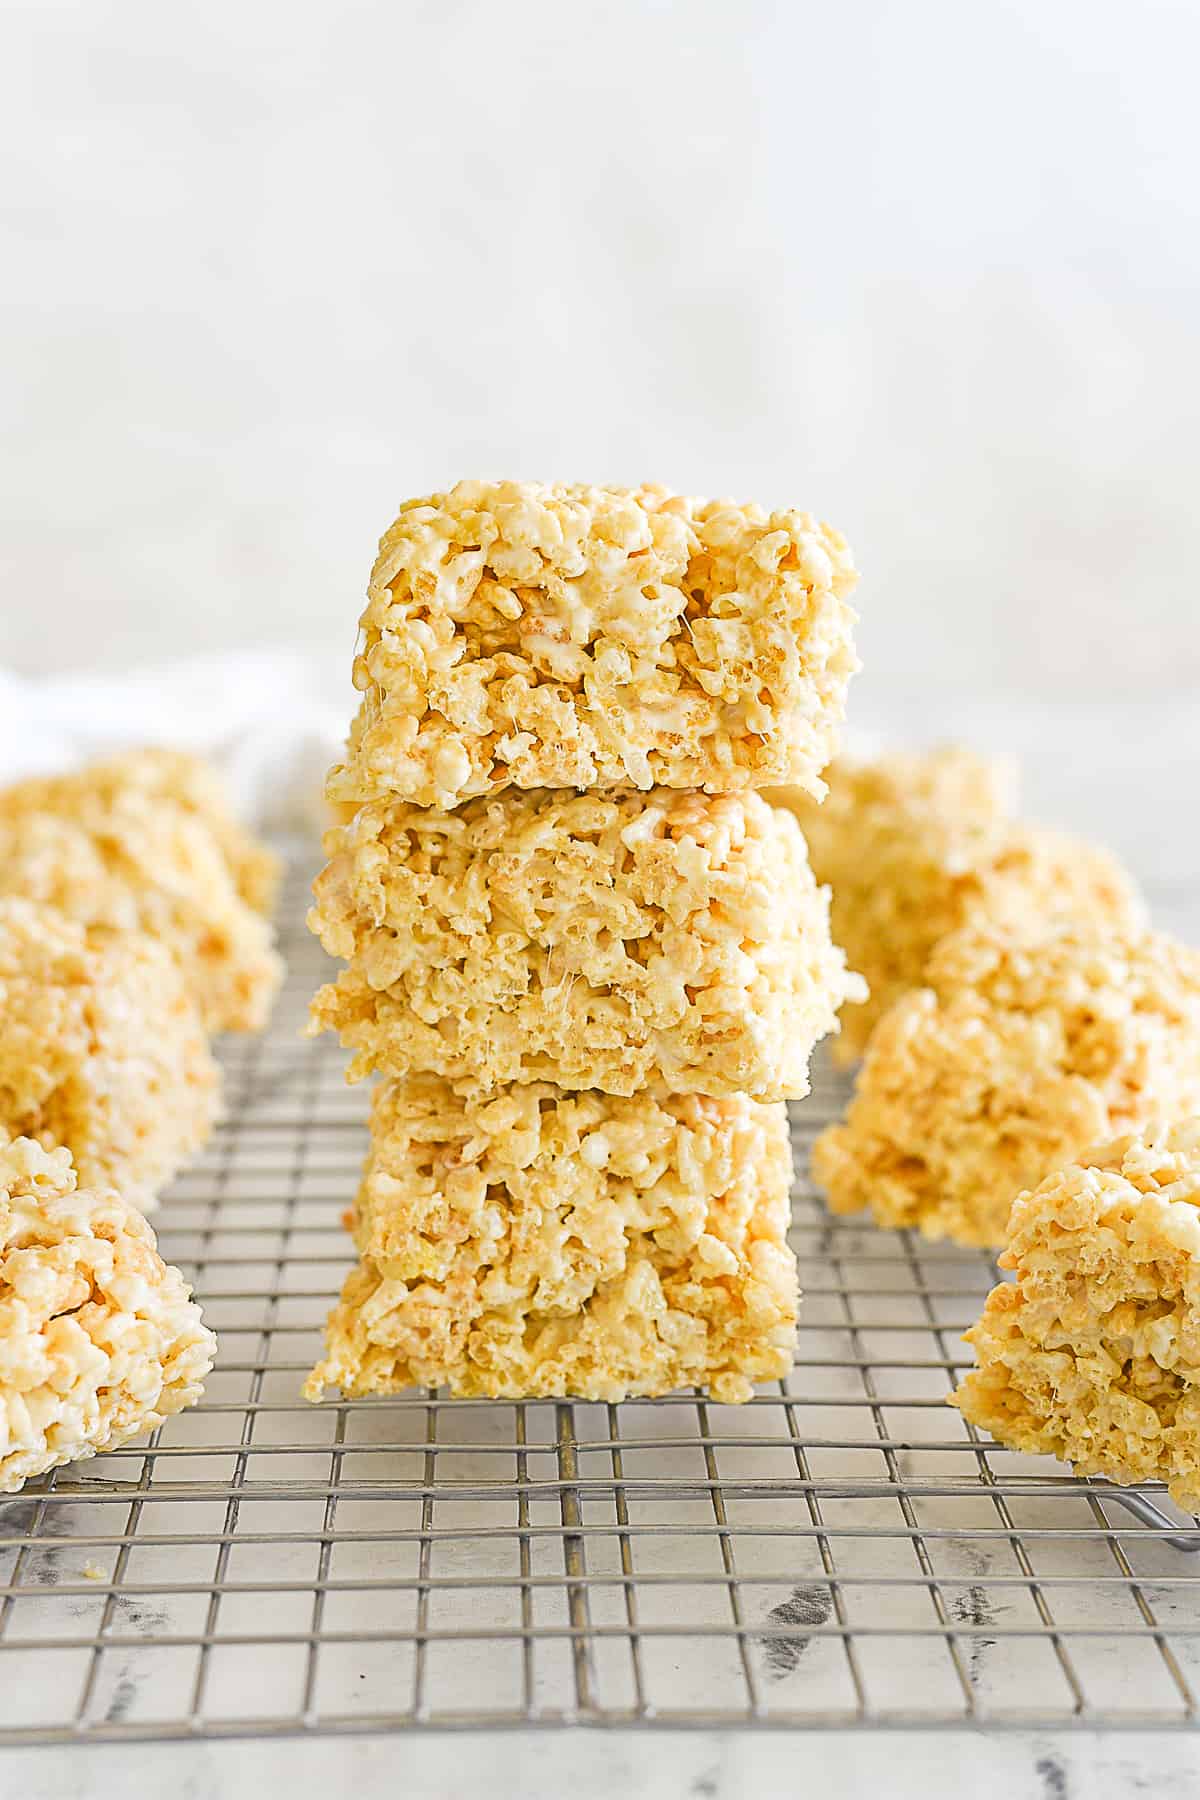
x,y
593,940
596,637
530,1241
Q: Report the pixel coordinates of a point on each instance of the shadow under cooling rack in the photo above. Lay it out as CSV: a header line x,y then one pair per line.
x,y
842,1550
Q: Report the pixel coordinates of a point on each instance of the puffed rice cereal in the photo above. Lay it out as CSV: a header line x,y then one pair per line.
x,y
530,1242
1022,1050
186,781
916,845
596,940
1092,1354
101,1050
141,864
99,1338
596,637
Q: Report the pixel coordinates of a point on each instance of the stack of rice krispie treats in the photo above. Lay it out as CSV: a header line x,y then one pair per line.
x,y
1030,1082
1021,1006
132,924
586,959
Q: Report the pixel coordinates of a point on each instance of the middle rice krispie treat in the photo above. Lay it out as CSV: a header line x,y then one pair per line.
x,y
99,1338
596,940
1021,1051
140,864
101,1050
916,845
529,1242
1092,1354
518,635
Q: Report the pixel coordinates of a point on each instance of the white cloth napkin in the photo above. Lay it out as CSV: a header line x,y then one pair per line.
x,y
271,722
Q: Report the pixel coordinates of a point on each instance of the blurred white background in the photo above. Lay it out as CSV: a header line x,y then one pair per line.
x,y
929,268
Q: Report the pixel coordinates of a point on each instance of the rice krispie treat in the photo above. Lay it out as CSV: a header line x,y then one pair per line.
x,y
140,864
597,637
916,845
174,775
531,1242
1022,1050
101,1050
596,940
1093,1353
99,1338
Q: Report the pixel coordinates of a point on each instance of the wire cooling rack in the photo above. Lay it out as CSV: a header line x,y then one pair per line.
x,y
842,1550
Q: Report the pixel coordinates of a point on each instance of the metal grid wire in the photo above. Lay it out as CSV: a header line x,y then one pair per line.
x,y
842,1550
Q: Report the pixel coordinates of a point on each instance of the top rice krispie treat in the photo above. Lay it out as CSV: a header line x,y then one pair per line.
x,y
140,864
597,637
174,775
1022,1050
597,940
99,1338
526,1241
101,1050
916,845
1093,1353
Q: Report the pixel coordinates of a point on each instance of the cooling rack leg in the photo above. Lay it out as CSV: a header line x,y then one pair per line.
x,y
1155,1517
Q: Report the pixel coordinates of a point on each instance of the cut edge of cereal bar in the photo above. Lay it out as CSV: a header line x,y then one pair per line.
x,y
537,636
533,1242
100,1340
1092,1353
595,940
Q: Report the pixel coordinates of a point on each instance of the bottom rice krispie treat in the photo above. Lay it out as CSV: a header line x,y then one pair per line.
x,y
919,844
531,1242
1093,1353
101,1050
99,1338
1020,1052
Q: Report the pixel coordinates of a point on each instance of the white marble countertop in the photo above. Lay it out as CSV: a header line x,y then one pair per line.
x,y
643,1765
